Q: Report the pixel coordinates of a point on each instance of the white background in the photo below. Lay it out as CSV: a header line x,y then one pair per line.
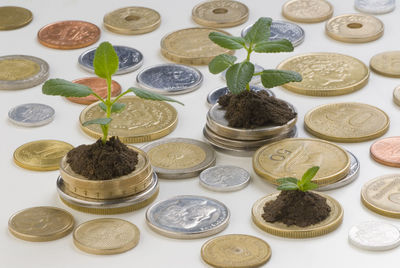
x,y
22,188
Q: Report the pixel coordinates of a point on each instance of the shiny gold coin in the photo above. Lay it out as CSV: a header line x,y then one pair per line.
x,y
41,155
326,74
292,157
192,46
106,236
220,13
354,28
40,224
346,122
308,11
132,20
386,63
140,121
12,17
236,251
18,69
331,223
396,95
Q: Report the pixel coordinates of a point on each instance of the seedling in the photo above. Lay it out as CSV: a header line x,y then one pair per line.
x,y
304,185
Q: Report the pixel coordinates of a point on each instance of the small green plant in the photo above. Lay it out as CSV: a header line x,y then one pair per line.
x,y
105,64
238,75
305,184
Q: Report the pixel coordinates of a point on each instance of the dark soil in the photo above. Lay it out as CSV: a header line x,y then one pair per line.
x,y
100,161
250,109
297,208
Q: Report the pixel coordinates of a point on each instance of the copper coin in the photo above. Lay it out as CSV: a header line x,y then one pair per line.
x,y
99,86
387,151
70,34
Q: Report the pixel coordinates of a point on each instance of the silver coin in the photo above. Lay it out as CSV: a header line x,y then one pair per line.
x,y
375,6
254,80
179,158
37,77
130,59
31,114
224,178
373,235
188,216
170,79
283,30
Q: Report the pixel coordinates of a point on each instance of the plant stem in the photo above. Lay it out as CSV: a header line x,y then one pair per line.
x,y
248,87
108,104
249,50
259,73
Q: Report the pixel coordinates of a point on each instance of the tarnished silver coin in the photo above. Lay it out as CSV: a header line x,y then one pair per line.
x,y
31,114
374,235
130,59
224,178
254,80
188,216
213,96
170,79
375,6
283,30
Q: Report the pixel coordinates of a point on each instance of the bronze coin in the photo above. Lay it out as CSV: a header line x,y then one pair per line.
x,y
387,151
69,34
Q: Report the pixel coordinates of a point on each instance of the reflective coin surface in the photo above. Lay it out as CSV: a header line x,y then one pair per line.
x,y
254,80
309,11
386,63
99,86
213,96
224,178
396,95
375,6
12,17
31,114
386,151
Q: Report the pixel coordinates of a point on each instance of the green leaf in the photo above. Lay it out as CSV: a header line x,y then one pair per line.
x,y
288,179
238,76
274,46
98,121
61,87
220,63
115,108
289,186
309,174
226,41
144,94
273,78
260,31
105,61
308,186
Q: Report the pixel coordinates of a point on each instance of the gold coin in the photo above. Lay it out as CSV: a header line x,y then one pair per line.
x,y
220,13
40,224
12,17
346,122
326,74
354,28
18,69
386,63
192,46
106,236
292,157
132,20
41,155
236,251
140,121
328,225
308,11
396,95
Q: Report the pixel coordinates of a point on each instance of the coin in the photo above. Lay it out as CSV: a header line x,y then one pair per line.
x,y
375,6
99,86
386,63
106,236
331,223
170,79
396,95
382,195
213,96
282,30
179,158
188,216
326,74
21,71
354,28
220,13
236,251
69,34
309,11
254,80
38,224
41,155
386,151
192,46
132,20
130,59
31,114
140,121
224,178
12,17
346,122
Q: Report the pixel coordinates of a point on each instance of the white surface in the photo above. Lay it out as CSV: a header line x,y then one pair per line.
x,y
22,188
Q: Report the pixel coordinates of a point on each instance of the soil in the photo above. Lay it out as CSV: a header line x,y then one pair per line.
x,y
100,161
297,208
250,109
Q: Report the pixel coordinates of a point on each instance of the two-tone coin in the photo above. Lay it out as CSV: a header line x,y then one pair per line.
x,y
396,95
386,151
213,96
12,17
224,178
31,114
375,6
386,63
308,11
254,80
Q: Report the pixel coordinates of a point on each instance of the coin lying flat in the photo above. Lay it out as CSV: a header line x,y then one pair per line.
x,y
38,224
326,74
12,17
396,95
236,251
346,122
386,63
224,178
31,114
254,80
106,236
132,20
188,216
309,11
375,6
386,151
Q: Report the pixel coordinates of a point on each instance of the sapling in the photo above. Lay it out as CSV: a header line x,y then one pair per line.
x,y
304,185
